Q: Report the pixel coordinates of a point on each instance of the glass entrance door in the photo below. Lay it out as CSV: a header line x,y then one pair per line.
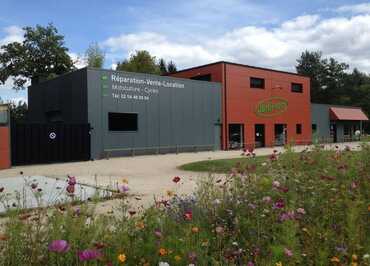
x,y
281,135
236,136
259,135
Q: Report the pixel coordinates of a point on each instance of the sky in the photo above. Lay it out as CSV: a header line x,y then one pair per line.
x,y
265,33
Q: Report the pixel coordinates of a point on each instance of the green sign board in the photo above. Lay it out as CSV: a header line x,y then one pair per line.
x,y
272,107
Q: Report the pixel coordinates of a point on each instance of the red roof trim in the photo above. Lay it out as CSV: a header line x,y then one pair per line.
x,y
354,114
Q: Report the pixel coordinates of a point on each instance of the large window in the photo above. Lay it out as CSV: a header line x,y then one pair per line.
x,y
297,87
122,122
207,77
257,83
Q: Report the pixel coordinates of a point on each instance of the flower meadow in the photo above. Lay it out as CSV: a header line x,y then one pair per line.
x,y
307,208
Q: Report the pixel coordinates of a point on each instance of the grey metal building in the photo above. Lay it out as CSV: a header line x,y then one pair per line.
x,y
332,123
132,113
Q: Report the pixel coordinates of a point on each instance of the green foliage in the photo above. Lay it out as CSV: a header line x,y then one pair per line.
x,y
171,67
162,66
143,62
41,55
95,56
18,111
307,208
331,83
327,76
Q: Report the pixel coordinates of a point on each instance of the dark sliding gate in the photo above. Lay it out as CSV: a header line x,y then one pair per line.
x,y
49,143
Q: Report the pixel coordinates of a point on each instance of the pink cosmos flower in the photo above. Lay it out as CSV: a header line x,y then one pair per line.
x,y
59,246
252,206
72,180
284,189
288,252
70,189
279,204
188,216
176,179
89,254
287,216
192,256
266,199
273,157
123,188
158,233
276,184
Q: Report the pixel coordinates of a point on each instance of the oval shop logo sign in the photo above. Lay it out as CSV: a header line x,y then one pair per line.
x,y
272,107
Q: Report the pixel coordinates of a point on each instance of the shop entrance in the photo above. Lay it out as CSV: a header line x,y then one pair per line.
x,y
236,136
259,131
280,134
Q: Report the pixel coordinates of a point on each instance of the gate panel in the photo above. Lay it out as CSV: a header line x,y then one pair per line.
x,y
49,143
4,148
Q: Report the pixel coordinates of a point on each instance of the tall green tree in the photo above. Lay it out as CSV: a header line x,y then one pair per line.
x,y
95,56
328,77
141,62
162,66
18,111
41,55
171,67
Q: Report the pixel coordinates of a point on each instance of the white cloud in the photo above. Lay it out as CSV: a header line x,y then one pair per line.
x,y
12,34
78,60
8,94
356,9
346,38
159,46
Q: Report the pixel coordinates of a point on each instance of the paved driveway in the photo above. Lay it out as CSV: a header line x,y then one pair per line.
x,y
147,175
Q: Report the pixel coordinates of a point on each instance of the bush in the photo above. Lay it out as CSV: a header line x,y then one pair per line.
x,y
308,208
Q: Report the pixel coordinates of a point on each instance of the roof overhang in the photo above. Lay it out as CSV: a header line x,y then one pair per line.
x,y
349,114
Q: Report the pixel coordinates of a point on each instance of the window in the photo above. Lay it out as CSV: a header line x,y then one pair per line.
x,y
207,77
257,83
298,129
297,87
314,128
122,122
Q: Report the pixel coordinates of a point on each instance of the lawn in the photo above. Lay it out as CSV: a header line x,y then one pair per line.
x,y
307,208
222,165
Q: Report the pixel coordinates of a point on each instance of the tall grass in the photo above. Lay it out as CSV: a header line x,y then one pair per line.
x,y
308,208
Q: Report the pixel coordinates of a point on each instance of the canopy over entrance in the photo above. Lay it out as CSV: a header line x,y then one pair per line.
x,y
343,113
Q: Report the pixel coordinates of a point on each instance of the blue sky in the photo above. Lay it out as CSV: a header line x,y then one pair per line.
x,y
263,33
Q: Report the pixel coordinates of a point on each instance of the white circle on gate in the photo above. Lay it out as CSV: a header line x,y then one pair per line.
x,y
52,135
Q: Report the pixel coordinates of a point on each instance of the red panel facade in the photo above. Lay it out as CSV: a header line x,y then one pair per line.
x,y
267,107
4,148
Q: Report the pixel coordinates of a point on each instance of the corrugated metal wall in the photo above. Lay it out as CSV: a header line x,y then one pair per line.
x,y
173,114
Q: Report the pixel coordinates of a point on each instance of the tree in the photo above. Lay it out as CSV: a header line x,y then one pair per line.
x,y
95,56
141,62
40,56
327,77
171,67
162,66
18,111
